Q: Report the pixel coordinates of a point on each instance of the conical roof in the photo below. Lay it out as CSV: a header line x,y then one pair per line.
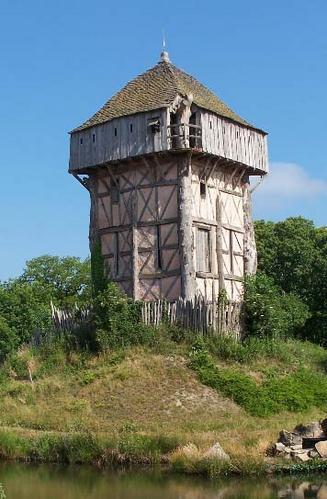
x,y
155,89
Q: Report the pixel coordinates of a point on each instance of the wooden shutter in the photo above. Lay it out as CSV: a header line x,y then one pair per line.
x,y
203,250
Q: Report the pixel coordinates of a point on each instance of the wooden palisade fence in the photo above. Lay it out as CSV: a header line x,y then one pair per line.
x,y
65,321
198,315
208,318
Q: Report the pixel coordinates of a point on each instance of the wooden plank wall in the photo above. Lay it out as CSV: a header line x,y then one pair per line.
x,y
232,141
130,136
117,139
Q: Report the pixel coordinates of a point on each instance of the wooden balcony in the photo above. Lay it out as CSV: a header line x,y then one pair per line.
x,y
184,136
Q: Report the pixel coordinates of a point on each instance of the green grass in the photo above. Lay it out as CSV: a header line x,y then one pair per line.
x,y
289,353
78,448
144,404
287,391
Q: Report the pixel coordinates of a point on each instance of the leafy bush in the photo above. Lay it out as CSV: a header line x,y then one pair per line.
x,y
118,320
19,364
8,339
290,351
269,311
53,357
99,280
25,301
23,311
294,392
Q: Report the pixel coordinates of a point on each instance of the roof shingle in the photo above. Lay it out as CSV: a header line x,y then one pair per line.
x,y
155,89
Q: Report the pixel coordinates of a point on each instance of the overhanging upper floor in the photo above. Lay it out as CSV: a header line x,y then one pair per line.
x,y
159,131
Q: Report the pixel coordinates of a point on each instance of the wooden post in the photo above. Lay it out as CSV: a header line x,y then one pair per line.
x,y
135,253
250,250
185,226
220,259
92,184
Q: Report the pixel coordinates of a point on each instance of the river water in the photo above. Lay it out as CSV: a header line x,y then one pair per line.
x,y
57,482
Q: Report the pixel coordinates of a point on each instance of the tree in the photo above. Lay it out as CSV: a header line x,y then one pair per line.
x,y
269,311
287,251
294,254
266,241
64,280
22,310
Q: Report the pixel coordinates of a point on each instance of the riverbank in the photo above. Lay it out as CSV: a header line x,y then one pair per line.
x,y
145,406
26,481
136,451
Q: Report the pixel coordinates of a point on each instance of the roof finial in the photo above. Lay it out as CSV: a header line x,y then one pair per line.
x,y
164,56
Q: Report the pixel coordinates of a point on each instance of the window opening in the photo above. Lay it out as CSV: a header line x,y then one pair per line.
x,y
203,189
231,252
116,254
115,191
154,125
203,250
115,132
159,251
131,127
174,130
93,137
192,131
81,140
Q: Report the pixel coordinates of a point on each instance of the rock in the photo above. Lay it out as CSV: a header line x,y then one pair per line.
x,y
313,430
279,448
313,453
322,492
216,452
298,453
303,457
296,447
290,438
321,448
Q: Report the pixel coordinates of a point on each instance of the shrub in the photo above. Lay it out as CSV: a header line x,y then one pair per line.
x,y
8,339
99,280
271,312
294,392
20,362
118,320
290,351
23,311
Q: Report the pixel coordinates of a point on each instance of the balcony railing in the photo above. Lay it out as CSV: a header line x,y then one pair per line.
x,y
184,136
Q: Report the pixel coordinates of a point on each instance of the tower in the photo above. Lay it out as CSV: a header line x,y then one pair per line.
x,y
167,165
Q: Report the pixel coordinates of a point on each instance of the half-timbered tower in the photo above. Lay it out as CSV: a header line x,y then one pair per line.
x,y
167,165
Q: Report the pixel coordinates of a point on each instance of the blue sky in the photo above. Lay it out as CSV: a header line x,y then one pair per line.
x,y
60,61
